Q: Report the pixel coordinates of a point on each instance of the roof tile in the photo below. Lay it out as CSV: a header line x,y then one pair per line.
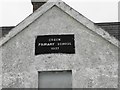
x,y
113,28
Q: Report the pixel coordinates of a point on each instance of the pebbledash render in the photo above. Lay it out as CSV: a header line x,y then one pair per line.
x,y
57,40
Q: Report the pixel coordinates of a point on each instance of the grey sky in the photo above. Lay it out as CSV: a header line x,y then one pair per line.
x,y
13,12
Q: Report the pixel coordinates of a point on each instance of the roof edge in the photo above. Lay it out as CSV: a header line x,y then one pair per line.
x,y
27,21
108,23
88,23
77,16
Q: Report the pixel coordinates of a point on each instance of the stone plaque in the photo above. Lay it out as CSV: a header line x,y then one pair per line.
x,y
48,44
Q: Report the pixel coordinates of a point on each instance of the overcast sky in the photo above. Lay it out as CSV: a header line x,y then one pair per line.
x,y
13,12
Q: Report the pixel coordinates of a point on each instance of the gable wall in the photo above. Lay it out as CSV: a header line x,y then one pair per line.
x,y
94,63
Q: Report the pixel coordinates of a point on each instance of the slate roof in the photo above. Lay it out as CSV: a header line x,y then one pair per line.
x,y
113,28
5,30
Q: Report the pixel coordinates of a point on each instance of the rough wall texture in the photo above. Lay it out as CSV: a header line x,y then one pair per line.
x,y
94,64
